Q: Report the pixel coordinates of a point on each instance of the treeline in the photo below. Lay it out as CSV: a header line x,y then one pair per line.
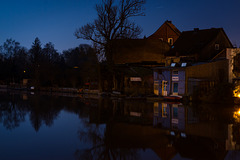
x,y
44,66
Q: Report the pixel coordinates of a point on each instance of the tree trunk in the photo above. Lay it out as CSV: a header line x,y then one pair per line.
x,y
110,66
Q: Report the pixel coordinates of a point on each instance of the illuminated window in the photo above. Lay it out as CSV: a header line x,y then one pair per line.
x,y
173,64
183,64
164,109
155,105
170,41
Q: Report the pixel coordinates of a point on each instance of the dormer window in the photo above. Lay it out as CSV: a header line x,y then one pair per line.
x,y
183,64
216,46
173,64
170,41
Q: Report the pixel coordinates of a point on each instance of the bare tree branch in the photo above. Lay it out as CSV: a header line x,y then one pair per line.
x,y
112,22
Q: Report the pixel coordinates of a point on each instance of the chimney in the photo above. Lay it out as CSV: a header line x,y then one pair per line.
x,y
169,21
196,29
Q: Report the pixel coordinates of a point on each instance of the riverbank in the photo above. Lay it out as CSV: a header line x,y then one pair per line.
x,y
69,92
96,94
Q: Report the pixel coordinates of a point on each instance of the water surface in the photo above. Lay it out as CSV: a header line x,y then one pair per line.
x,y
57,127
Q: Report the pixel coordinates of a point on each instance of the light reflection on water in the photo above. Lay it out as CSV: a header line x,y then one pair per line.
x,y
45,127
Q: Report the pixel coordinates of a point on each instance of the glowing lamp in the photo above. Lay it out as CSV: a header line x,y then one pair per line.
x,y
238,112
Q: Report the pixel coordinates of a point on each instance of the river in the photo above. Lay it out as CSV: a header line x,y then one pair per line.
x,y
35,126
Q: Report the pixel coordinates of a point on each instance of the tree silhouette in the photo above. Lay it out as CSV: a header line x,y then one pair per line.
x,y
10,48
11,55
35,59
112,23
81,64
35,51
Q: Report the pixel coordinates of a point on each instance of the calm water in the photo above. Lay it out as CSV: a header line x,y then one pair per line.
x,y
50,127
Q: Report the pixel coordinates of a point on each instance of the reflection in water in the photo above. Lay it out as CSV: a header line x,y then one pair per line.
x,y
201,131
99,132
101,146
11,115
130,129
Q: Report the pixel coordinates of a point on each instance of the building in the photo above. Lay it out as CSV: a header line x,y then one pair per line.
x,y
167,32
233,54
135,58
140,51
196,62
151,49
199,46
184,79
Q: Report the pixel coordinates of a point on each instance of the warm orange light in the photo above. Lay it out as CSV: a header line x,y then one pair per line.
x,y
236,115
238,112
236,91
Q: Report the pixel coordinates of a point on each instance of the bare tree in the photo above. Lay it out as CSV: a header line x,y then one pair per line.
x,y
112,23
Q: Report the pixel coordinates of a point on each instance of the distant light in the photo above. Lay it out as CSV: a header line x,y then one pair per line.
x,y
24,71
75,67
172,133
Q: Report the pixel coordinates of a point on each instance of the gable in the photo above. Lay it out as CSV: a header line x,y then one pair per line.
x,y
166,31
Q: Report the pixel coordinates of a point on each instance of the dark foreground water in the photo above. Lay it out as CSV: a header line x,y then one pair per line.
x,y
38,127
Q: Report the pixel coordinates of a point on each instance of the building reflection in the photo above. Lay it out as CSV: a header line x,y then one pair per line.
x,y
124,128
171,129
169,116
198,132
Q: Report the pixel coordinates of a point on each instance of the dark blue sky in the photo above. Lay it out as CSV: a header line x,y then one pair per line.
x,y
56,20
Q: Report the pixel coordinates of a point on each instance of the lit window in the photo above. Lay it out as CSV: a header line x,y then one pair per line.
x,y
183,64
173,64
170,41
164,109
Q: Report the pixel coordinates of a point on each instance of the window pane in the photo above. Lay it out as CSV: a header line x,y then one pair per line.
x,y
175,87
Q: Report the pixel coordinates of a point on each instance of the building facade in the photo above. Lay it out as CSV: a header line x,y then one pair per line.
x,y
181,79
167,32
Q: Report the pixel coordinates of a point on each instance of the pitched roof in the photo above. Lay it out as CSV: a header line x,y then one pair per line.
x,y
193,42
168,23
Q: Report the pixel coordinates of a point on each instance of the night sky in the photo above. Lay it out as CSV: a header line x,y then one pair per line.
x,y
56,20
